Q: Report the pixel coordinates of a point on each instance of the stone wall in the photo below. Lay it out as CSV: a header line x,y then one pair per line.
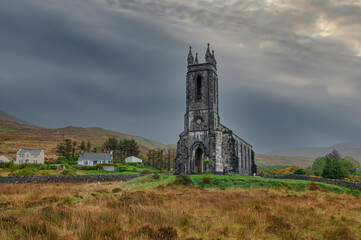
x,y
343,183
67,178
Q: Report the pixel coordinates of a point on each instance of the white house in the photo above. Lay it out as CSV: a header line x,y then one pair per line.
x,y
4,158
30,156
133,159
94,158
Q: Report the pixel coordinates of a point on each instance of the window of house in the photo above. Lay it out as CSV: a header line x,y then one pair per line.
x,y
199,88
35,161
20,161
1,161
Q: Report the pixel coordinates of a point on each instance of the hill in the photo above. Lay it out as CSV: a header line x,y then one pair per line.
x,y
47,139
10,123
267,159
349,148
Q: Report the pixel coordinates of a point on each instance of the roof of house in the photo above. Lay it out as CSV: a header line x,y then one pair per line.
x,y
133,159
11,159
95,156
22,151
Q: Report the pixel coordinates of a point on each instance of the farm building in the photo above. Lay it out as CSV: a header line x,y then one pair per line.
x,y
133,159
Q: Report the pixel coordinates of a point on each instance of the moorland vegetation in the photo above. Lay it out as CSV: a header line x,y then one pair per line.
x,y
183,207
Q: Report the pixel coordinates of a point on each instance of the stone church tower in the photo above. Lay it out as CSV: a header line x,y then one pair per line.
x,y
204,137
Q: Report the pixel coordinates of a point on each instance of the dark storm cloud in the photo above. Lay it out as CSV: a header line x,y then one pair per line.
x,y
289,70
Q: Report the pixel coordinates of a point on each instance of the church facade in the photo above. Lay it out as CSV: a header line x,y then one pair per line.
x,y
204,137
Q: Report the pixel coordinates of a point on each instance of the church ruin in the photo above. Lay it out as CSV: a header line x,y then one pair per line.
x,y
204,137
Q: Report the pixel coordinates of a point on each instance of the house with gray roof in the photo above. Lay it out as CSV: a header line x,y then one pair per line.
x,y
4,158
30,156
94,158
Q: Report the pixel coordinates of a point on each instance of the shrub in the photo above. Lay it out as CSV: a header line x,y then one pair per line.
x,y
68,172
6,164
27,172
139,165
146,171
206,180
300,171
45,173
155,176
52,167
183,179
43,167
116,190
123,169
12,174
85,167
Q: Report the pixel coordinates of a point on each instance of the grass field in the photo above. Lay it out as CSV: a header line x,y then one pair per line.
x,y
215,207
131,170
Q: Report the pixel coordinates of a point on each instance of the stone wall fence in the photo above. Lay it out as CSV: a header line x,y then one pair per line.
x,y
67,178
343,183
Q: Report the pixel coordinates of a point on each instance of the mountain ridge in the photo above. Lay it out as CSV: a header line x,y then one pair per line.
x,y
9,122
16,133
48,139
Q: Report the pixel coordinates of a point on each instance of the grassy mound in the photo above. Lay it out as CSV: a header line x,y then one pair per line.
x,y
209,181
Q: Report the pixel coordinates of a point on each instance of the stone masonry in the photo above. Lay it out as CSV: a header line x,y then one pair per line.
x,y
204,137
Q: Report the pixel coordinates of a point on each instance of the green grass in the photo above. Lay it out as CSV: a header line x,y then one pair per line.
x,y
269,168
237,181
8,129
129,171
149,182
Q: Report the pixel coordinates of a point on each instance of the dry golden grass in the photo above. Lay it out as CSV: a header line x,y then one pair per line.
x,y
115,211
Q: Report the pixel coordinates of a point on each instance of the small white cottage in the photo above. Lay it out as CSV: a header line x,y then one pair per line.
x,y
4,158
133,159
94,158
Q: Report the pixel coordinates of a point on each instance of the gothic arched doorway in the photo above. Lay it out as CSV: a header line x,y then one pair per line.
x,y
198,160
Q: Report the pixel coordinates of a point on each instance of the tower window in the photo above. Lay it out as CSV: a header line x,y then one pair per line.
x,y
199,88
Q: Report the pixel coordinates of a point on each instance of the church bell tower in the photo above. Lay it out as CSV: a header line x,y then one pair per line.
x,y
204,137
202,93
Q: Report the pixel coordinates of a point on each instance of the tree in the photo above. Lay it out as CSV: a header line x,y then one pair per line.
x,y
334,155
134,148
349,164
318,165
65,148
82,146
111,144
68,147
74,148
60,149
88,146
334,170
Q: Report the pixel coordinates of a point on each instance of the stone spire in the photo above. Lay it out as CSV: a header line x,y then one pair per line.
x,y
214,59
196,61
209,57
190,58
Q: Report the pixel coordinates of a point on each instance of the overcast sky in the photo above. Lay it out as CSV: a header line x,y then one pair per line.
x,y
289,71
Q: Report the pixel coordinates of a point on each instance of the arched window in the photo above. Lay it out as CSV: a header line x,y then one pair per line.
x,y
199,88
